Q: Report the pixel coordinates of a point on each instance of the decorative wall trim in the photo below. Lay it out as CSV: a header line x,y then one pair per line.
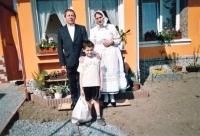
x,y
3,74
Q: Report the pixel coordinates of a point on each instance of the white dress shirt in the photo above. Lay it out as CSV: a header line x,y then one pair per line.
x,y
71,31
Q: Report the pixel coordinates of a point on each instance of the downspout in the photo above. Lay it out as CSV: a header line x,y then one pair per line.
x,y
137,41
20,45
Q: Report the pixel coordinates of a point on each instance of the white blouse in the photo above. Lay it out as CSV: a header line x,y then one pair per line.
x,y
99,34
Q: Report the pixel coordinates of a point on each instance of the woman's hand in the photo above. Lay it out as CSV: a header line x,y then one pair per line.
x,y
107,43
97,56
81,59
63,67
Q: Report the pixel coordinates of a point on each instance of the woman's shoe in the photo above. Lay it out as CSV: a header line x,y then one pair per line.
x,y
113,104
105,104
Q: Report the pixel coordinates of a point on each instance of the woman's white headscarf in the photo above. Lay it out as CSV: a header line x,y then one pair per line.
x,y
105,18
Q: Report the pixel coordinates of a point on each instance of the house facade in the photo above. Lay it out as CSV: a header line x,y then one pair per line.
x,y
38,19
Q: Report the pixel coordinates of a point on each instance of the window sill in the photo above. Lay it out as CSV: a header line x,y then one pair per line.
x,y
53,54
182,41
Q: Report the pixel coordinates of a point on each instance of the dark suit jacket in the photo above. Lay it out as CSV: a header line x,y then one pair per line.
x,y
68,50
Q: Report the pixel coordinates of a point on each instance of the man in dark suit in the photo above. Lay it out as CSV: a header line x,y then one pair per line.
x,y
70,42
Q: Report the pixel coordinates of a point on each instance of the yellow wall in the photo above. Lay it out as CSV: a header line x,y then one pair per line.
x,y
130,23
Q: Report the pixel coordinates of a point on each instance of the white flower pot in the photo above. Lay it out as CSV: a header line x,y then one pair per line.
x,y
121,45
58,95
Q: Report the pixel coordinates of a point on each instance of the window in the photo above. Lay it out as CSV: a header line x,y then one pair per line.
x,y
15,5
113,8
158,15
48,17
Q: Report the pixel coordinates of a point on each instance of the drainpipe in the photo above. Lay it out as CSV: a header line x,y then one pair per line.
x,y
20,45
137,41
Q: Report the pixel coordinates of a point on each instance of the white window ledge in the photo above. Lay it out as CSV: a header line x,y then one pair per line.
x,y
182,41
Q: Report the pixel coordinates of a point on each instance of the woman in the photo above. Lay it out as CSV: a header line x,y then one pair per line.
x,y
106,39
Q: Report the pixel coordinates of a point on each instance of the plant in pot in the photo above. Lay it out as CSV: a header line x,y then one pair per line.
x,y
133,80
193,67
165,36
39,82
150,35
58,93
172,58
45,75
160,70
47,46
66,89
122,36
47,94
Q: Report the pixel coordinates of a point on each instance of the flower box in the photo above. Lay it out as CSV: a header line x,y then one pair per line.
x,y
48,50
149,38
176,37
58,77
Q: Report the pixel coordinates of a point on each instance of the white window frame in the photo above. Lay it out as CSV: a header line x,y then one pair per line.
x,y
182,41
35,18
120,14
177,27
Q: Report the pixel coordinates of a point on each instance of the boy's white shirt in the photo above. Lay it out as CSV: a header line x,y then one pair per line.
x,y
90,69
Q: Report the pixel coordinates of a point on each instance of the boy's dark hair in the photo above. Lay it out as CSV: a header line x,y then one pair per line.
x,y
87,43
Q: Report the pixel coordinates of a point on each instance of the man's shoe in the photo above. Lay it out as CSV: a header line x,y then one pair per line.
x,y
77,123
88,123
101,121
105,104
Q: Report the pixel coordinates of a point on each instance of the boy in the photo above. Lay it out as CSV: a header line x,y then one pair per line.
x,y
91,79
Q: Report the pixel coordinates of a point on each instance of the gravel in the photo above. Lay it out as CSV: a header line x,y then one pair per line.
x,y
66,128
10,99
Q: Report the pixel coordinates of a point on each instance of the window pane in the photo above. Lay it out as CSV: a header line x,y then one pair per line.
x,y
110,6
169,14
149,17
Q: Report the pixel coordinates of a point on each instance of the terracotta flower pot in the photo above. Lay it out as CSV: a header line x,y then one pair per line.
x,y
178,68
177,37
136,86
49,50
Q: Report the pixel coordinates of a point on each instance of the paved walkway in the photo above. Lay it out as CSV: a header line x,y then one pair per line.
x,y
10,100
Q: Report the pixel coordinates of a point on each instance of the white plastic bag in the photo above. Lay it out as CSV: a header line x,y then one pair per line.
x,y
81,112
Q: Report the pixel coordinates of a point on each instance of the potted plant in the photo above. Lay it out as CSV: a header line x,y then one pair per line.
x,y
193,67
58,93
150,36
47,94
165,36
48,46
39,82
133,80
172,58
45,75
56,74
160,70
122,36
66,89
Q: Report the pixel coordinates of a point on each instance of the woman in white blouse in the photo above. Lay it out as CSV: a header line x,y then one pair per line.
x,y
106,40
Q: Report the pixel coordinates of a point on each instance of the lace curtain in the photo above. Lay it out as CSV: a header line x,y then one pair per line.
x,y
110,6
47,8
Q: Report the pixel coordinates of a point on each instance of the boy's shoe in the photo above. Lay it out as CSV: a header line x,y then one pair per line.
x,y
88,123
77,123
101,121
